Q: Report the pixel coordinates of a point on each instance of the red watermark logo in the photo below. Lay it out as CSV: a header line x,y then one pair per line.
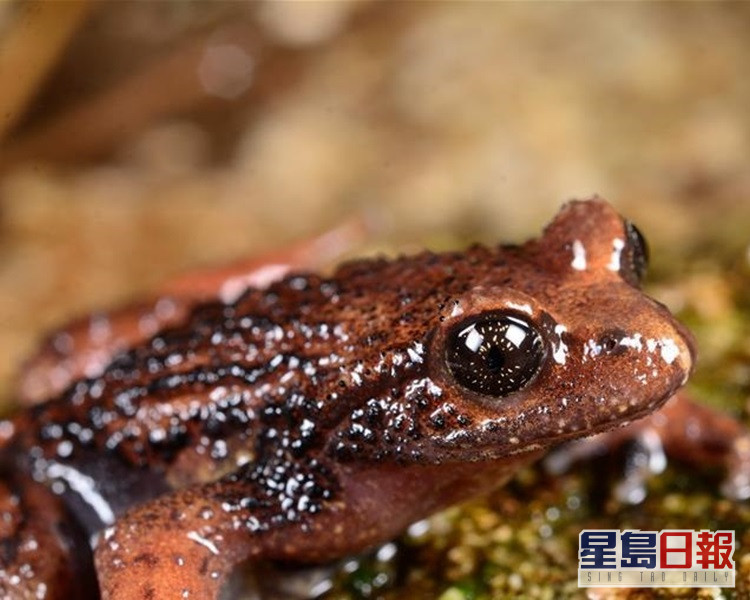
x,y
667,558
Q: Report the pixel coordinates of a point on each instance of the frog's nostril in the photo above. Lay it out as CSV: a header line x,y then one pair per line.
x,y
611,341
673,346
609,344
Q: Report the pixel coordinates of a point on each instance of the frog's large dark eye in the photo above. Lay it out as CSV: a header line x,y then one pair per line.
x,y
495,354
638,250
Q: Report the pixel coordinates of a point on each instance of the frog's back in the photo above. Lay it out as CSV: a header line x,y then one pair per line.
x,y
239,383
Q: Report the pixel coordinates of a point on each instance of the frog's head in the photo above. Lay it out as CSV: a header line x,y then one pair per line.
x,y
569,347
554,341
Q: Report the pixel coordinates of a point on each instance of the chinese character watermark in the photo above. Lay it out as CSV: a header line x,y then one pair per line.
x,y
668,558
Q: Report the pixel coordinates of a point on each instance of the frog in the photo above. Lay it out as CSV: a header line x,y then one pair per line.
x,y
266,412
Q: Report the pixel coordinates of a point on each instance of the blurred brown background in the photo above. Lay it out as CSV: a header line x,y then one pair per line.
x,y
138,139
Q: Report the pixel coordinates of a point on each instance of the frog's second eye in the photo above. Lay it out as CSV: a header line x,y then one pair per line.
x,y
638,250
495,354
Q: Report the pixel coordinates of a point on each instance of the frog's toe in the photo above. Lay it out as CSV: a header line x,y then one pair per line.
x,y
646,458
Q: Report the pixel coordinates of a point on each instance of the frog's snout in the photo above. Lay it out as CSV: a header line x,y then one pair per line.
x,y
668,349
687,352
655,348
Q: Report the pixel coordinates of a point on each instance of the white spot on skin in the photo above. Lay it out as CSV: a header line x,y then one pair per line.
x,y
421,384
456,435
632,342
491,425
85,487
579,256
414,355
614,260
434,389
173,360
218,393
196,537
525,308
65,448
591,348
560,351
457,310
669,350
